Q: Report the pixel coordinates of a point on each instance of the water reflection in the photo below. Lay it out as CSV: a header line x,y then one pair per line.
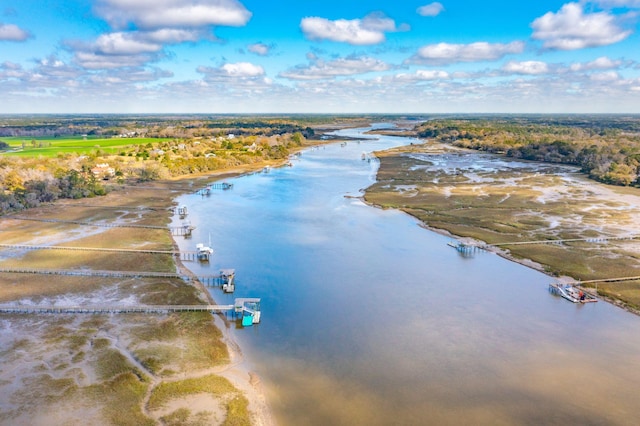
x,y
370,319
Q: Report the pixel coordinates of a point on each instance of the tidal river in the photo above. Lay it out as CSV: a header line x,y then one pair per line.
x,y
368,318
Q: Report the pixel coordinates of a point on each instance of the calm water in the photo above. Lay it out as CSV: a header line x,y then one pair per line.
x,y
369,319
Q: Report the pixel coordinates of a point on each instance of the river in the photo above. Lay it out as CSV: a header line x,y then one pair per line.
x,y
367,318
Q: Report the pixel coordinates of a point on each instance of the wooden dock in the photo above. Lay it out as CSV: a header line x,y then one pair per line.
x,y
562,241
77,222
112,309
220,185
468,248
184,255
243,306
208,280
182,230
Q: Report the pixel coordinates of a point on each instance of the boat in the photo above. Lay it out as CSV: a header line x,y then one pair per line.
x,y
204,252
571,293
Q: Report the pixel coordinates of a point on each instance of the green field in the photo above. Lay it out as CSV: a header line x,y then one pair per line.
x,y
52,146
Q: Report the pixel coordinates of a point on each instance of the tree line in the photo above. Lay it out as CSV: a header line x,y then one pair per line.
x,y
29,182
607,148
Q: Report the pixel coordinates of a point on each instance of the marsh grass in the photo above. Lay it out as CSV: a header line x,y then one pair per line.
x,y
43,389
167,345
237,412
121,399
211,384
629,291
494,212
110,363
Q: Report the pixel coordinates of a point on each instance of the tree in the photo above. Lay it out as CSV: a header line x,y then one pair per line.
x,y
13,182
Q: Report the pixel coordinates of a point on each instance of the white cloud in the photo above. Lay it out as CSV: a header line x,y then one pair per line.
x,y
366,31
446,53
171,35
154,14
422,75
526,67
260,49
10,32
432,9
243,69
123,44
336,68
602,63
619,3
128,49
607,76
571,29
97,61
117,50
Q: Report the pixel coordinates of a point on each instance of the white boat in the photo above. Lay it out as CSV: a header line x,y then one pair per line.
x,y
571,293
204,252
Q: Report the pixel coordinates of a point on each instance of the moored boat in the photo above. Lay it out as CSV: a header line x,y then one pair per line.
x,y
571,293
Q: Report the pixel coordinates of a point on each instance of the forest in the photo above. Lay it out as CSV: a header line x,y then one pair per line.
x,y
607,148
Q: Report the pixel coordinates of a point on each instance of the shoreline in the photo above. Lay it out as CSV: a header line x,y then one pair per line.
x,y
521,259
78,365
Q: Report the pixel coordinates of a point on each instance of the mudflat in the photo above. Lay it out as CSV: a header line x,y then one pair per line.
x,y
125,369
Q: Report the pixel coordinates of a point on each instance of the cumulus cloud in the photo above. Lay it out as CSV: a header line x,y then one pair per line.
x,y
447,53
243,69
229,72
128,49
117,50
320,69
422,75
260,49
432,9
145,27
154,14
366,31
571,29
602,63
526,67
619,3
11,32
606,76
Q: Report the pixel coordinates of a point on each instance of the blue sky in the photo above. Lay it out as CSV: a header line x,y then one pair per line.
x,y
324,56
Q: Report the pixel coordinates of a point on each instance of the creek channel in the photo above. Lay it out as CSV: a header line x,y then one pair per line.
x,y
368,318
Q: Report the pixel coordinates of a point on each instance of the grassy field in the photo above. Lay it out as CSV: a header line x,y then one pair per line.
x,y
52,146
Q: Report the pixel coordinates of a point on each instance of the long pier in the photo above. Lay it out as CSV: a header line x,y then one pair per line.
x,y
106,309
183,230
211,280
78,222
608,280
561,241
184,255
207,189
247,307
467,248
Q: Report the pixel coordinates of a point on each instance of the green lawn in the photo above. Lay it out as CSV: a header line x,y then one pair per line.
x,y
52,146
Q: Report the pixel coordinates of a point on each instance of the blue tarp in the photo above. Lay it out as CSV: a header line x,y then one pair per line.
x,y
247,320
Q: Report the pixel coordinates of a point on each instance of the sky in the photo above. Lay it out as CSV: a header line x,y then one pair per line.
x,y
319,56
